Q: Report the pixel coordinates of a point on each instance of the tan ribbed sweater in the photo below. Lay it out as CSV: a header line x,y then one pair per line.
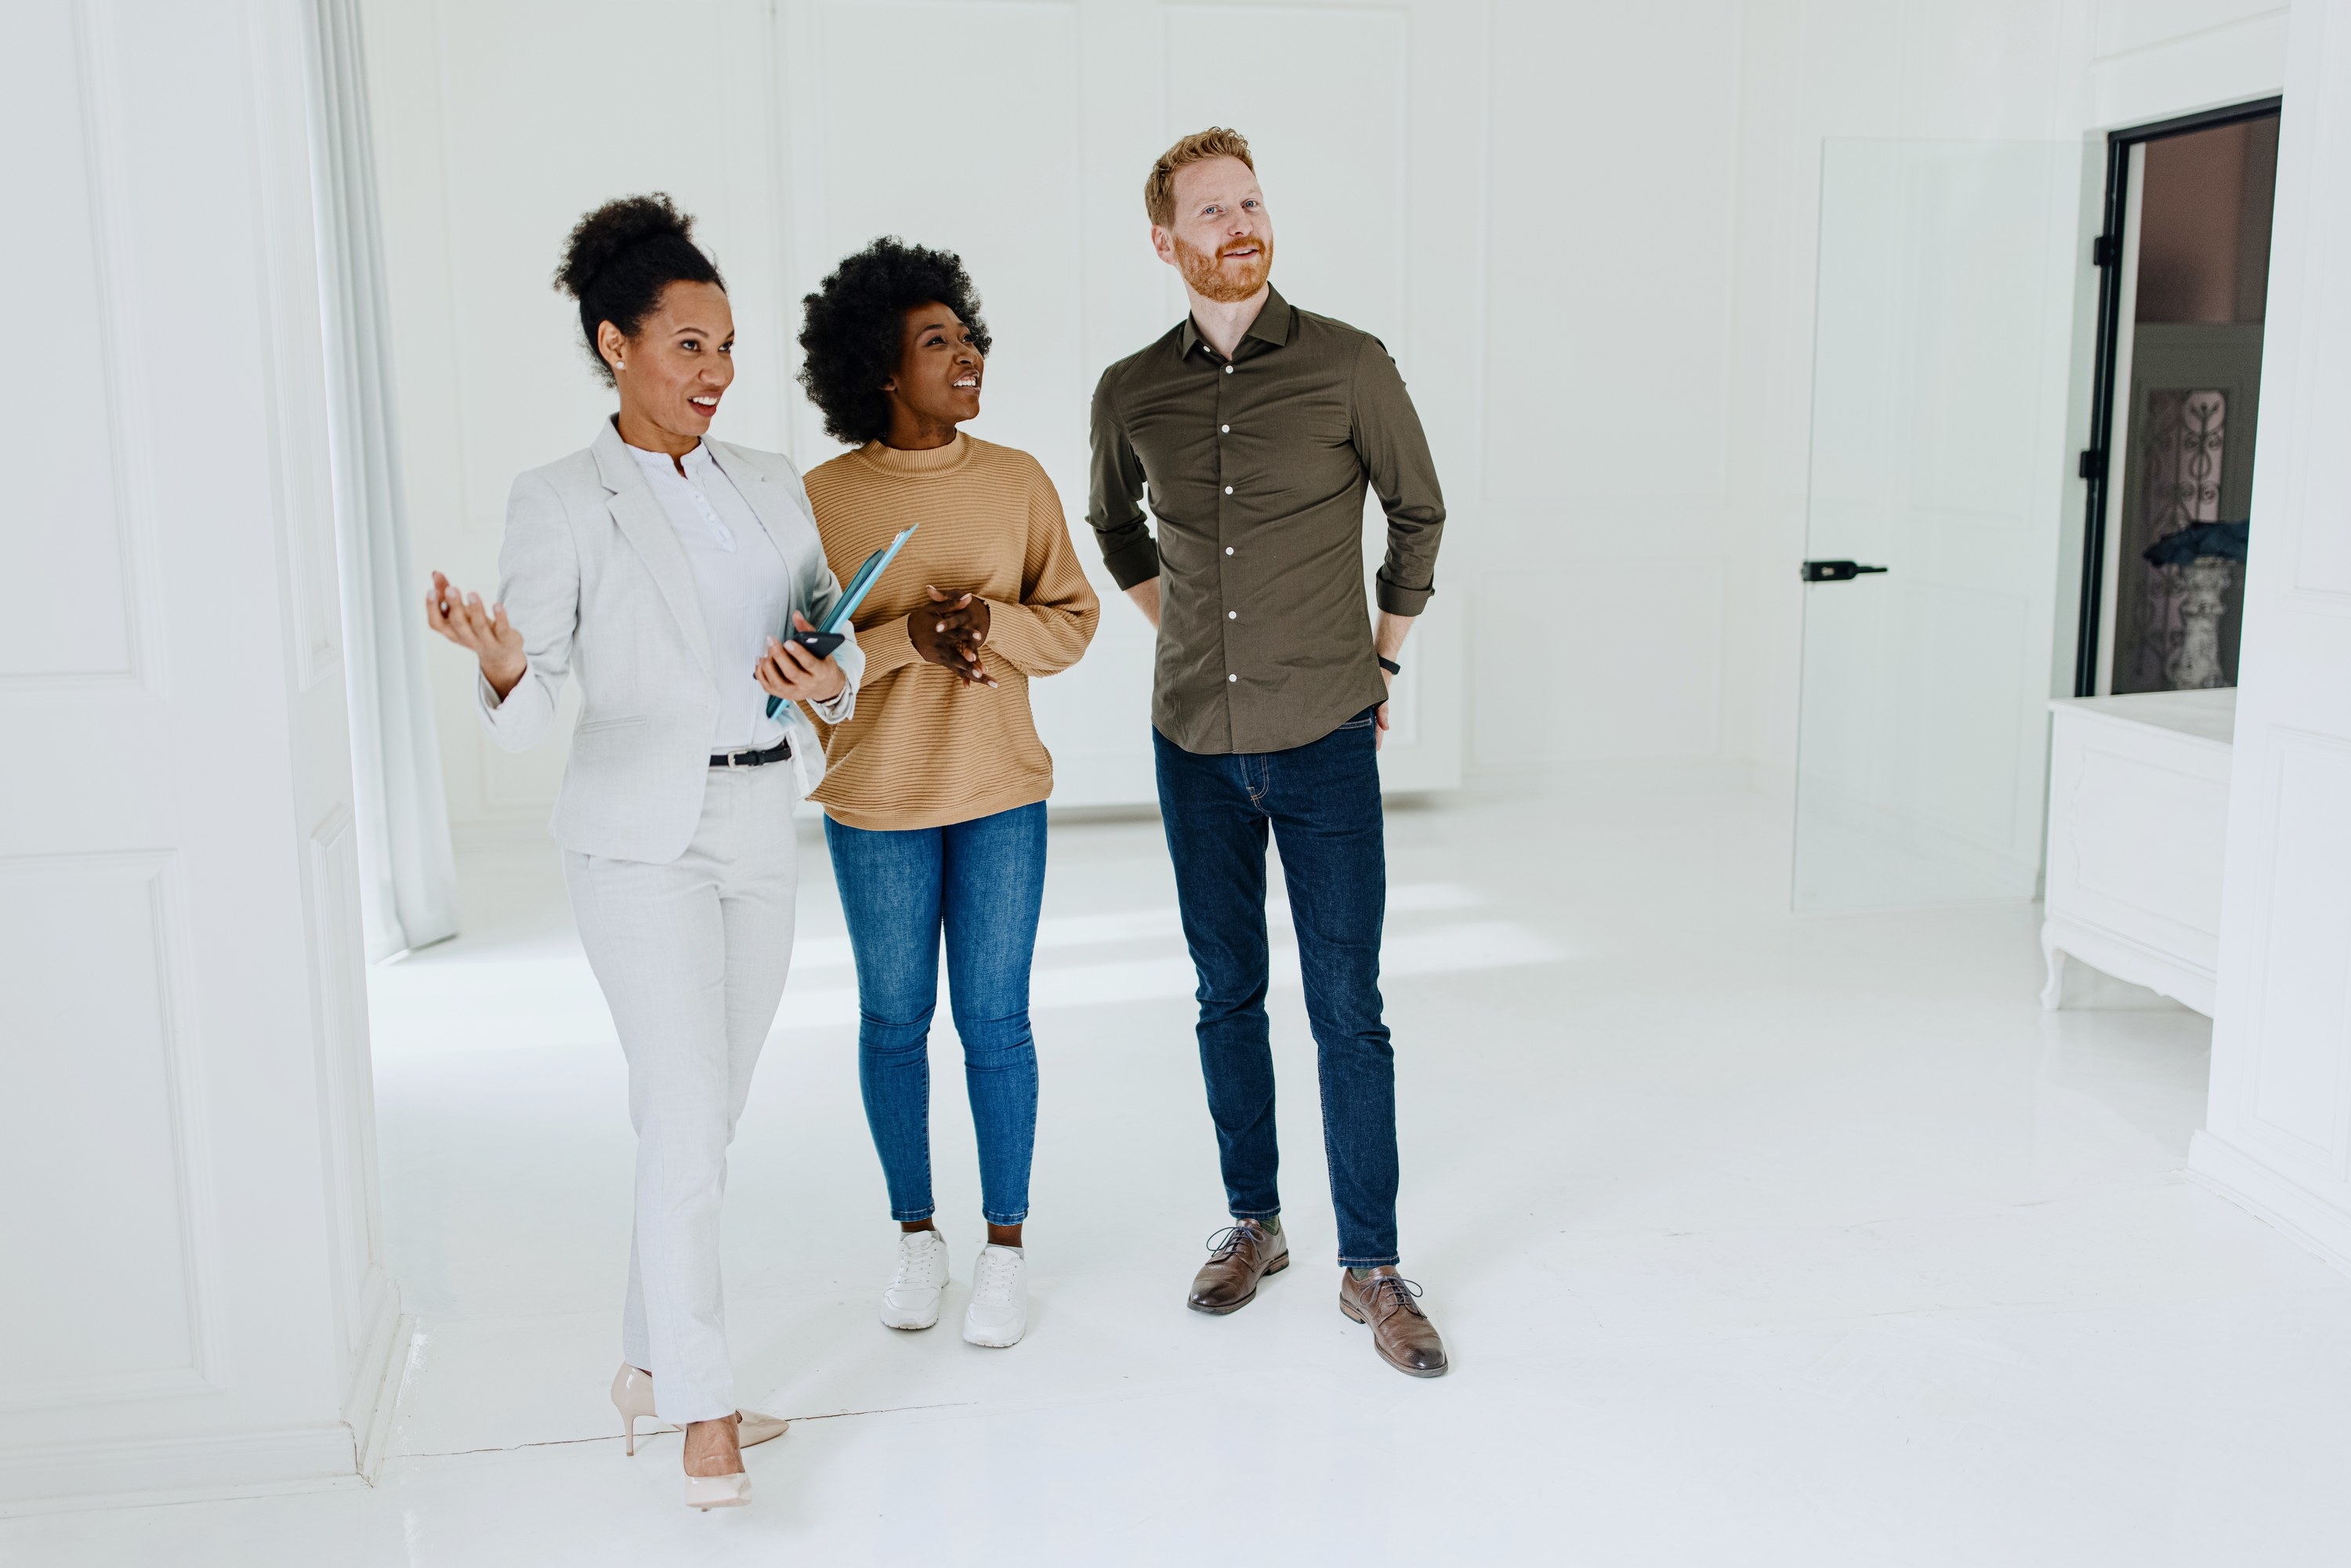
x,y
921,748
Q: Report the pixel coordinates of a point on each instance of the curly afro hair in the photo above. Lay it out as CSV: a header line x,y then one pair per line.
x,y
618,259
854,333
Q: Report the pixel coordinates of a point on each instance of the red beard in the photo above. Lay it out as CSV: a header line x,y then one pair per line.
x,y
1226,281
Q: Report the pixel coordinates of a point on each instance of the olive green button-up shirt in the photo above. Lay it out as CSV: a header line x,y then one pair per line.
x,y
1256,468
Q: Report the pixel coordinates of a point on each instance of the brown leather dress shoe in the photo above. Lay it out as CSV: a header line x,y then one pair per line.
x,y
1401,1331
1238,1258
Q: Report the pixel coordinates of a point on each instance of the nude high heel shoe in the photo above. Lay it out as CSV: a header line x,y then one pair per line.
x,y
706,1492
632,1396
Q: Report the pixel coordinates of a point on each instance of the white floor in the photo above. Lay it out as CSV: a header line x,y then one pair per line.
x,y
1756,1239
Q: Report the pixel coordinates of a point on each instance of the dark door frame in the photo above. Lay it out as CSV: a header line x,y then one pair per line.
x,y
2106,256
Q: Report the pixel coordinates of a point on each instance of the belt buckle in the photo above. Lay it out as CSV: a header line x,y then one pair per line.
x,y
733,760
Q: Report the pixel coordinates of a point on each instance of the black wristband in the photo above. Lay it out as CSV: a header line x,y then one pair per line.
x,y
1390,665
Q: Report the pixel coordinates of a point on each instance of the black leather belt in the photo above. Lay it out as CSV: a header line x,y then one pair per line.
x,y
779,752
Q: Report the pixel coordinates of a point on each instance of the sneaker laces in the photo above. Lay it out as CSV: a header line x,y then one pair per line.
x,y
920,1261
998,1268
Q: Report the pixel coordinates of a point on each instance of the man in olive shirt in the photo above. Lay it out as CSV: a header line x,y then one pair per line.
x,y
1256,427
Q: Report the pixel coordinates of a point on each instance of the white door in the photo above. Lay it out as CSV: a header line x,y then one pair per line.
x,y
1938,474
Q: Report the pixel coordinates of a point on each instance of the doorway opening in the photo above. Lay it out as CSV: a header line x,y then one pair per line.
x,y
2183,291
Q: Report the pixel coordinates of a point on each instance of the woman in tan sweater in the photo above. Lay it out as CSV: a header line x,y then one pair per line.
x,y
935,789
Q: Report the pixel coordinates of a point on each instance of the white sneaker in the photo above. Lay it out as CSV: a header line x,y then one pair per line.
x,y
911,1298
998,1313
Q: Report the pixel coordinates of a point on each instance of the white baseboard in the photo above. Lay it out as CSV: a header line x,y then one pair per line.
x,y
177,1469
234,1464
2244,1180
1633,773
384,1372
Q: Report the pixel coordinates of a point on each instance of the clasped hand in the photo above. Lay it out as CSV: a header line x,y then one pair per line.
x,y
948,631
789,671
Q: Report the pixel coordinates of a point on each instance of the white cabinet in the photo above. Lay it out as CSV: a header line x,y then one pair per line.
x,y
2138,819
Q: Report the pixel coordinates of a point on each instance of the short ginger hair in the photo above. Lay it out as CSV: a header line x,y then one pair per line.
x,y
1159,185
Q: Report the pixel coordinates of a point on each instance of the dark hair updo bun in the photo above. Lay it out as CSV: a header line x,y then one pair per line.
x,y
618,259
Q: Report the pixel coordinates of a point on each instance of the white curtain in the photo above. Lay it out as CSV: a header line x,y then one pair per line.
x,y
408,891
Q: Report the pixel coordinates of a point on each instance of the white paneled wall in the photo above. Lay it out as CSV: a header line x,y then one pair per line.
x,y
2155,58
1587,231
1598,624
799,131
191,1277
2280,1124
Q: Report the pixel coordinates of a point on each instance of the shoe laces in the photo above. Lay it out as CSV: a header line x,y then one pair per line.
x,y
1227,1242
999,1266
1395,1290
921,1259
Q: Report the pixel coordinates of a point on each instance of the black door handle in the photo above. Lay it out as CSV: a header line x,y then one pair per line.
x,y
1835,570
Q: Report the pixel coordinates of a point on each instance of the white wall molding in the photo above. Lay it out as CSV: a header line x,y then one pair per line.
x,y
2216,56
372,1394
147,1471
2254,1182
367,1301
286,295
30,887
2279,1127
179,980
96,113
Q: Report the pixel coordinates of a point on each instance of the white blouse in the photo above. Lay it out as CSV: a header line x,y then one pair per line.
x,y
745,589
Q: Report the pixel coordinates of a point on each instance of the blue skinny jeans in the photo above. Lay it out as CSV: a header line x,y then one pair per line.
x,y
981,883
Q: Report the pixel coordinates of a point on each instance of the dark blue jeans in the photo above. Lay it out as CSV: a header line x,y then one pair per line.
x,y
981,883
1322,802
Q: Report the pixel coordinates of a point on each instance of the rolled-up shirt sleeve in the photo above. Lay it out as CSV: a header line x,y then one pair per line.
x,y
1114,495
1387,436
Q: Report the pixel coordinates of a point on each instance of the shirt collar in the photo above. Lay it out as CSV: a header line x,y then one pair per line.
x,y
696,462
1273,326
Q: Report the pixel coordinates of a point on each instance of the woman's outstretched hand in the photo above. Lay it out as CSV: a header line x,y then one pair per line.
x,y
948,631
481,630
789,671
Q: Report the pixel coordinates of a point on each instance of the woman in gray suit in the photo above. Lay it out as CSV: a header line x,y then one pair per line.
x,y
658,567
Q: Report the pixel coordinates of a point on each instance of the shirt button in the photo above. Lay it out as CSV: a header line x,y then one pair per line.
x,y
1232,614
1228,489
1228,550
1229,369
1226,429
1232,678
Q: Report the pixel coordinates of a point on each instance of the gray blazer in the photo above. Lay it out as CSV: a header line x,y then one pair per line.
x,y
593,577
